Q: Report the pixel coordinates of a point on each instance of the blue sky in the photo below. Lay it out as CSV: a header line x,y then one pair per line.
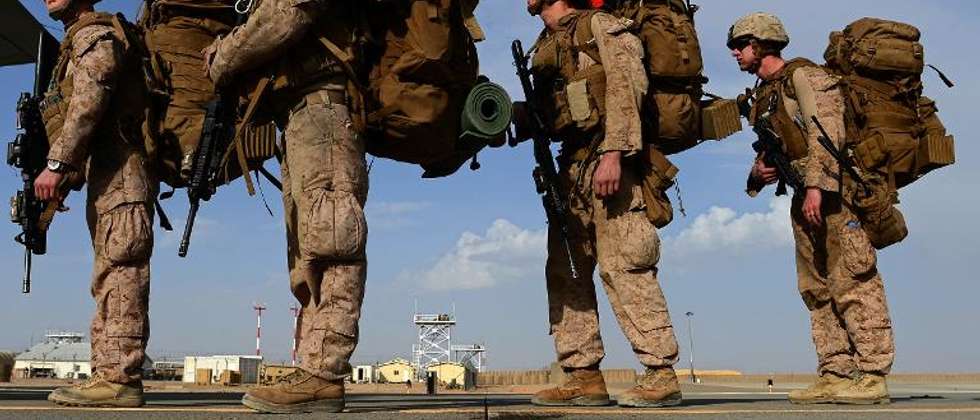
x,y
477,239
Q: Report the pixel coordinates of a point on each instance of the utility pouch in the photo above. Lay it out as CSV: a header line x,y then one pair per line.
x,y
719,119
881,220
658,176
934,152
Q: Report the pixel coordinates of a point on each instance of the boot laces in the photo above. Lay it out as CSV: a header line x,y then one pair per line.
x,y
292,378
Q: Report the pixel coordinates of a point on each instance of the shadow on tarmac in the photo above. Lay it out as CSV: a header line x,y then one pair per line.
x,y
718,401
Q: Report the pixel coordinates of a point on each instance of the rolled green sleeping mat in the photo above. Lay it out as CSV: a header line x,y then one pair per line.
x,y
484,121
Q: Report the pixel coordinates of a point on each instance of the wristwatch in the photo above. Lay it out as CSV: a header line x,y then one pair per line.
x,y
57,166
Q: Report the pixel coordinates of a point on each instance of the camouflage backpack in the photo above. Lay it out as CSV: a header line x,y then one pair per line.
x,y
676,69
892,128
417,69
174,34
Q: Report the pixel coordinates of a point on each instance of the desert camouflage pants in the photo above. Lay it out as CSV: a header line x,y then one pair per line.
x,y
615,234
840,285
123,242
325,187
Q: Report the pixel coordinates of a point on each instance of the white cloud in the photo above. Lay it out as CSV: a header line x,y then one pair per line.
x,y
722,229
503,254
507,253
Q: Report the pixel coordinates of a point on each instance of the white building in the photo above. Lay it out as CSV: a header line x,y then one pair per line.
x,y
247,366
62,355
363,374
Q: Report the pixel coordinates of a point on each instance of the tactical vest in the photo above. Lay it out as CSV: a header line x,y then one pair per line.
x,y
779,90
573,100
127,110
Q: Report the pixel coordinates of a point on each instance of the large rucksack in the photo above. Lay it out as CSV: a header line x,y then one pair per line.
x,y
893,129
418,69
673,60
174,32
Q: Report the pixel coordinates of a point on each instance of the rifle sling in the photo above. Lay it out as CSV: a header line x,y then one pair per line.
x,y
256,98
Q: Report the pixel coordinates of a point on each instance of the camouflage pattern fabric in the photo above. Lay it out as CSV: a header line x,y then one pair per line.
x,y
324,190
836,263
325,183
840,284
123,241
119,212
615,233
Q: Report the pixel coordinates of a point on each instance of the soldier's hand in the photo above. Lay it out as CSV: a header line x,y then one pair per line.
x,y
47,186
811,206
605,183
763,173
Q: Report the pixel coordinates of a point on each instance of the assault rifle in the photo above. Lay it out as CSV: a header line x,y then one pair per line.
x,y
770,146
545,175
29,153
845,161
216,136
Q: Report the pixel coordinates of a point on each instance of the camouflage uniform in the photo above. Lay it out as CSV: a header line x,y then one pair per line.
x,y
614,233
836,263
87,113
324,173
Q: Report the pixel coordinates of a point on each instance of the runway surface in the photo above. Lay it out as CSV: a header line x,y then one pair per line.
x,y
940,403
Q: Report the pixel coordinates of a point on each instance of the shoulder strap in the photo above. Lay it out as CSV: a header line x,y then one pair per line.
x,y
786,78
583,37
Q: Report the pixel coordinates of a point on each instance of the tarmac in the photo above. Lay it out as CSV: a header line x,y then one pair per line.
x,y
909,401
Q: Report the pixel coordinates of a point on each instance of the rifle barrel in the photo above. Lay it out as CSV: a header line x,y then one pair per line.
x,y
185,240
26,285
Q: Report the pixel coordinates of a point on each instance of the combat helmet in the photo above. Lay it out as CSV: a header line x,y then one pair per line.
x,y
760,26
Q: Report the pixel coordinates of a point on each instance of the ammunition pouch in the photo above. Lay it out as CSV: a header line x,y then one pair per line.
x,y
719,119
881,220
658,175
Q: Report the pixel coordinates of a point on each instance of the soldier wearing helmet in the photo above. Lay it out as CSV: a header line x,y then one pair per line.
x,y
590,81
836,263
93,114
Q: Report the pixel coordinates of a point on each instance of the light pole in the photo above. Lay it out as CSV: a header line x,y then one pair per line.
x,y
690,335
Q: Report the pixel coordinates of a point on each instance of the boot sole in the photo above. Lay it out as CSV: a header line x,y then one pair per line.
x,y
133,402
811,402
319,406
848,401
574,402
671,401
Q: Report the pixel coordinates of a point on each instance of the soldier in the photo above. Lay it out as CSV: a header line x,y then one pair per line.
x,y
836,263
600,172
325,184
93,113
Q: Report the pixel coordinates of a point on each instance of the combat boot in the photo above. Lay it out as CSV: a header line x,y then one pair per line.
x,y
98,392
657,387
582,387
823,391
868,389
299,392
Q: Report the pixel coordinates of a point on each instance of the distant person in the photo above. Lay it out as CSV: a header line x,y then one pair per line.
x,y
836,263
93,113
